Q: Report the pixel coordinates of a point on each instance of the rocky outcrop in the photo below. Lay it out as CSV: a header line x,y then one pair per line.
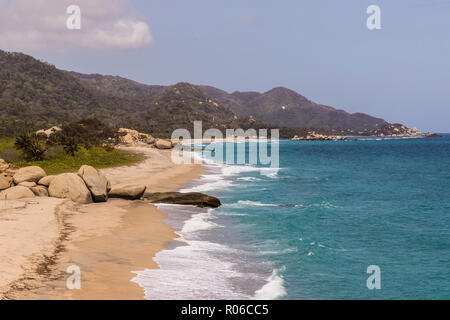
x,y
39,191
70,186
130,192
131,137
15,193
49,132
31,174
45,181
96,182
5,181
192,198
164,144
312,135
399,130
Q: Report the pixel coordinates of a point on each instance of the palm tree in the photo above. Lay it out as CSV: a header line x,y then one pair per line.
x,y
31,146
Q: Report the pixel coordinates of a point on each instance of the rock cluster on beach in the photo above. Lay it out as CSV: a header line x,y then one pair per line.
x,y
86,186
133,138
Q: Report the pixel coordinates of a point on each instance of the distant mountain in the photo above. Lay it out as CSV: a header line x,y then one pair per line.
x,y
286,108
36,95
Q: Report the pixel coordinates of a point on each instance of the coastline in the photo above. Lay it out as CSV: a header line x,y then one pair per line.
x,y
107,241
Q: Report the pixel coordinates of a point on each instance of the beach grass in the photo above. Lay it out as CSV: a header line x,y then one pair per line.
x,y
97,157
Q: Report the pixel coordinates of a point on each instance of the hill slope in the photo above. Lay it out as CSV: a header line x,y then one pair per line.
x,y
35,95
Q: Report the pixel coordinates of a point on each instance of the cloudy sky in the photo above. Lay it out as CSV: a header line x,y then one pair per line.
x,y
321,48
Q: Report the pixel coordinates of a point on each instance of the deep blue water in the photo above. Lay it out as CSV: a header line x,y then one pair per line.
x,y
336,208
311,230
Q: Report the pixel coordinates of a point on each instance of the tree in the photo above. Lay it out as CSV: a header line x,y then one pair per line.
x,y
71,146
31,146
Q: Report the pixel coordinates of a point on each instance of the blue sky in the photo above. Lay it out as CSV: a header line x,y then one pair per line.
x,y
321,49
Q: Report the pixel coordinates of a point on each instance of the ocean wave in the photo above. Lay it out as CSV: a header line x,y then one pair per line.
x,y
273,289
199,222
275,252
189,272
208,184
248,179
248,203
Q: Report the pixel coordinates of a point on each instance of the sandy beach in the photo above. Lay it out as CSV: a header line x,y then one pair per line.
x,y
40,238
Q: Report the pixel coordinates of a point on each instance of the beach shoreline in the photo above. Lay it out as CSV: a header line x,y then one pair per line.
x,y
106,241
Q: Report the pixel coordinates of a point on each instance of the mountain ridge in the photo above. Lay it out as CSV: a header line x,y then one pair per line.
x,y
35,95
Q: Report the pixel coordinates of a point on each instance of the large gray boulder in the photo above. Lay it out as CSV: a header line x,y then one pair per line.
x,y
45,181
39,191
17,192
131,192
96,182
5,181
31,174
192,198
70,186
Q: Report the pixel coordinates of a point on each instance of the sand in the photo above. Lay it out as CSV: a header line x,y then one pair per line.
x,y
40,238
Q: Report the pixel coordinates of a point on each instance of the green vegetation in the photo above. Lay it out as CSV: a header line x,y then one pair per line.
x,y
86,142
97,157
31,146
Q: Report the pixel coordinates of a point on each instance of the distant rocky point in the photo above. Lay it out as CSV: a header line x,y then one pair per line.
x,y
387,130
399,130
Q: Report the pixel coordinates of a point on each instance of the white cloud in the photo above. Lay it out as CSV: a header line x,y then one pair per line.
x,y
41,25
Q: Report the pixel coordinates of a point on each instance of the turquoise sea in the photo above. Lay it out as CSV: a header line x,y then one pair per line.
x,y
311,230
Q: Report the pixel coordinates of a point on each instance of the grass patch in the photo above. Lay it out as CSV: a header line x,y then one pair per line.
x,y
97,157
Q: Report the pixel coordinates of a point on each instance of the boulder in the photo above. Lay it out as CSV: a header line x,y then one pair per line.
x,y
8,168
45,181
192,198
132,137
131,192
32,174
70,186
5,181
164,144
96,183
17,192
27,184
39,191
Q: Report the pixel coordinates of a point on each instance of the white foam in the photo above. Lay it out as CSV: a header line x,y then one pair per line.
x,y
199,222
273,289
248,179
248,203
189,272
